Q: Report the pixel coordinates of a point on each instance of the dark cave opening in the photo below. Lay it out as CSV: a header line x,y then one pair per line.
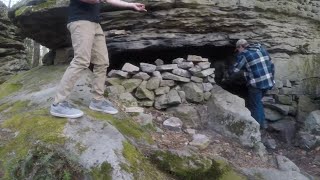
x,y
221,58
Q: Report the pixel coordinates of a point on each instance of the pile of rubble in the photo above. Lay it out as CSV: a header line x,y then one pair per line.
x,y
162,85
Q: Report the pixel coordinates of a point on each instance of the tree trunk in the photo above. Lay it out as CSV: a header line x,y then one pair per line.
x,y
36,54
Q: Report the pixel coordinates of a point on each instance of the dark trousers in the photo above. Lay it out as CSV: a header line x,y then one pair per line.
x,y
255,104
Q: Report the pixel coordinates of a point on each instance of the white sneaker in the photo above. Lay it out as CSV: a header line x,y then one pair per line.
x,y
64,109
103,106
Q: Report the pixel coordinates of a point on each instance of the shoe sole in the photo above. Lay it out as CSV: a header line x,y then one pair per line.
x,y
66,116
108,112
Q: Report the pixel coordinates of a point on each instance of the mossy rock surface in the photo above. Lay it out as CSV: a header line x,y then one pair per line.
x,y
97,145
94,146
192,166
25,7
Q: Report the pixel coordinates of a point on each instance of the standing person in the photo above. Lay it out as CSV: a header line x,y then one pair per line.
x,y
89,45
258,69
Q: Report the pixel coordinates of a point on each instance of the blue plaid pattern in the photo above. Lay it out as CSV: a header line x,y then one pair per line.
x,y
257,65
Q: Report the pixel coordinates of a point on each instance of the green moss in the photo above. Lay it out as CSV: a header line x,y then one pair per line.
x,y
236,127
37,126
149,127
9,88
103,172
32,80
180,166
126,126
47,162
25,9
106,94
21,10
138,165
10,109
194,167
114,81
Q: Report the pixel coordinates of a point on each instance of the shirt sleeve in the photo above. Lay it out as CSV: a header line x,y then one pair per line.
x,y
239,65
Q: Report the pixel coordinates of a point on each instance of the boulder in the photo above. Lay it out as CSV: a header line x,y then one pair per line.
x,y
273,174
173,124
130,68
128,100
185,65
272,115
286,164
228,115
188,114
141,75
143,93
286,129
161,102
308,141
181,72
204,65
193,92
178,61
118,73
162,90
186,164
194,58
312,123
131,84
174,77
169,83
173,97
153,83
159,62
145,119
148,68
115,90
200,141
196,79
167,67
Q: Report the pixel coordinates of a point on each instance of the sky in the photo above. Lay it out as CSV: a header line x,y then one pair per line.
x,y
6,2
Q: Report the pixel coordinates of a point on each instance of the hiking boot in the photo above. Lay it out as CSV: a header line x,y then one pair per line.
x,y
64,109
103,106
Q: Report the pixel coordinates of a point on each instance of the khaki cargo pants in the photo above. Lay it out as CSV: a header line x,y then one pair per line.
x,y
89,45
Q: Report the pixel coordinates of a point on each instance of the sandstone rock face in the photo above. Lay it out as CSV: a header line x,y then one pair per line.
x,y
12,54
289,29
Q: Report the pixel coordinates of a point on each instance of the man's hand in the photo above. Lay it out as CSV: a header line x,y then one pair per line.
x,y
122,4
138,7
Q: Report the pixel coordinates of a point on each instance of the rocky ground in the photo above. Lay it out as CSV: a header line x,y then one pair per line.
x,y
308,161
197,143
235,153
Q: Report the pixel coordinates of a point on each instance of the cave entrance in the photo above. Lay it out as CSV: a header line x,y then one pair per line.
x,y
221,58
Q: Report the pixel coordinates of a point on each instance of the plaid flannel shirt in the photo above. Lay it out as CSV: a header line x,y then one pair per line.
x,y
257,65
